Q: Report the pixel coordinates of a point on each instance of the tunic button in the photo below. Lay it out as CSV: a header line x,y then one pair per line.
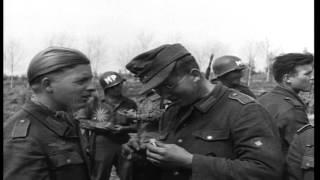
x,y
176,173
68,160
209,137
22,121
180,140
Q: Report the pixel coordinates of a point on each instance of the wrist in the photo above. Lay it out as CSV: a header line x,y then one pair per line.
x,y
188,161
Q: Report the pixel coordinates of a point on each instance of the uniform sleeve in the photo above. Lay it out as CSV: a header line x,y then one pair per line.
x,y
23,159
256,146
289,123
294,158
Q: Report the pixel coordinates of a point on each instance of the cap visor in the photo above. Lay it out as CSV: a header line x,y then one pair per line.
x,y
157,79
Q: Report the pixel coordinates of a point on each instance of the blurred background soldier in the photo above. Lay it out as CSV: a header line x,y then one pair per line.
x,y
41,141
107,127
229,70
294,73
211,131
300,159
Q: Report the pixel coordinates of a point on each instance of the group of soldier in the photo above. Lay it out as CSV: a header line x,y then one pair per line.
x,y
184,127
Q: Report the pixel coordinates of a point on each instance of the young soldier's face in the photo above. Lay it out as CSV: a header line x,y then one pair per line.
x,y
302,80
73,87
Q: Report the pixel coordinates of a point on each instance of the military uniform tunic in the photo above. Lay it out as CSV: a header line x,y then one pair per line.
x,y
230,136
38,145
288,112
239,87
105,147
300,159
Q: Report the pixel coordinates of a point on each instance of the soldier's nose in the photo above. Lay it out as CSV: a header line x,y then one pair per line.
x,y
91,87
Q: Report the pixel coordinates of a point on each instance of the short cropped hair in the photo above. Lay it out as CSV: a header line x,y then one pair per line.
x,y
286,64
35,84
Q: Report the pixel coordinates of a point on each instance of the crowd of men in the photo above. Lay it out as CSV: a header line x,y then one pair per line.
x,y
184,127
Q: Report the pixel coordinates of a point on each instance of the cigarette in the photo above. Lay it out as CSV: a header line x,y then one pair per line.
x,y
153,141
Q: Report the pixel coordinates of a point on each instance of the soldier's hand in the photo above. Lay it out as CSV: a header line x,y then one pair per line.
x,y
169,155
132,146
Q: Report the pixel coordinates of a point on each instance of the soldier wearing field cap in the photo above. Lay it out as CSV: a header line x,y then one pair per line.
x,y
293,73
211,131
229,70
41,141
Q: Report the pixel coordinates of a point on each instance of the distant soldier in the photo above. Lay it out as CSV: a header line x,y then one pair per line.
x,y
211,131
294,73
41,141
229,70
300,159
108,126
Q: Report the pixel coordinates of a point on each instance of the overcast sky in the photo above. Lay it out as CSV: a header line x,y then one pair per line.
x,y
288,25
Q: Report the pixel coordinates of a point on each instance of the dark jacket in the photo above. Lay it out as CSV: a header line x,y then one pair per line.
x,y
38,145
230,136
104,146
300,159
239,87
244,89
288,112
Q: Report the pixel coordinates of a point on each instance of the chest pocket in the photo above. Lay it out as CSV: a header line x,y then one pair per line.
x,y
308,158
212,142
65,158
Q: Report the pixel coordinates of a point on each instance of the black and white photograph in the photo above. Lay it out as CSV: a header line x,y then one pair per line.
x,y
158,89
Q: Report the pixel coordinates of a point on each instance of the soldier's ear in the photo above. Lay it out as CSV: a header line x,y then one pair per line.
x,y
46,85
286,79
196,74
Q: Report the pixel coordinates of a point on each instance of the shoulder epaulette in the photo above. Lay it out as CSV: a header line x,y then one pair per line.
x,y
292,101
20,128
303,128
242,98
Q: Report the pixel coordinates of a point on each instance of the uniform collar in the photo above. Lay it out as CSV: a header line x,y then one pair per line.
x,y
205,103
288,93
61,127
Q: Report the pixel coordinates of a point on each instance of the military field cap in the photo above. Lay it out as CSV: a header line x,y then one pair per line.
x,y
226,64
110,79
52,59
154,66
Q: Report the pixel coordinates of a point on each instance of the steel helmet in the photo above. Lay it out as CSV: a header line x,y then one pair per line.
x,y
110,79
226,64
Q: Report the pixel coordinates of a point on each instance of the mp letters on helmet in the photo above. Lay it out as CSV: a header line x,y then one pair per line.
x,y
110,79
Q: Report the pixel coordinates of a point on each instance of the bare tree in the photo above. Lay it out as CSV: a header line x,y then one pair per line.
x,y
252,49
95,49
60,39
145,41
202,53
12,55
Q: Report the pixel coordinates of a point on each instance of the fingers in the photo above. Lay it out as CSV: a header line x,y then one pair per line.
x,y
161,144
134,143
153,155
155,149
